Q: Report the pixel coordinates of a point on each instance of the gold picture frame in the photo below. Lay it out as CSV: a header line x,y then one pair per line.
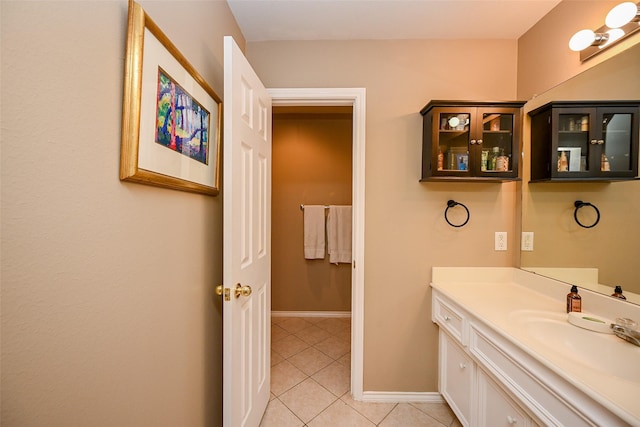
x,y
171,118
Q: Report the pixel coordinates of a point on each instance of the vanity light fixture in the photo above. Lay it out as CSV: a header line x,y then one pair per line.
x,y
621,21
622,14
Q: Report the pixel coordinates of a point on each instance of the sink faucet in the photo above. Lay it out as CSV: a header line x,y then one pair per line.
x,y
626,329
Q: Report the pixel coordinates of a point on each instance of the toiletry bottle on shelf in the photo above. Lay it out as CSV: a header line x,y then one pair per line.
x,y
493,158
617,293
563,162
574,301
440,160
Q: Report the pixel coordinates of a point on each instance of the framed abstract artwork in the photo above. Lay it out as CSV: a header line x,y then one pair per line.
x,y
171,117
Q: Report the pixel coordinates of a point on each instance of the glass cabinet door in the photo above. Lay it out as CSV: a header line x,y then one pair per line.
x,y
496,146
573,144
616,142
453,141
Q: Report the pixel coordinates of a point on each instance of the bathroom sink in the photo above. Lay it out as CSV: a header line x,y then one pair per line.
x,y
555,338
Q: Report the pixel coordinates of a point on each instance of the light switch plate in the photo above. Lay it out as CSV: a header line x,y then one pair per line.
x,y
501,241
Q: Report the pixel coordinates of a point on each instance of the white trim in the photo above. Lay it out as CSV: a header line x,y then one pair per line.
x,y
341,314
356,97
401,397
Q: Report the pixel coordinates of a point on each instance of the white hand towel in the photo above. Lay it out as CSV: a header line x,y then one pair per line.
x,y
339,234
313,232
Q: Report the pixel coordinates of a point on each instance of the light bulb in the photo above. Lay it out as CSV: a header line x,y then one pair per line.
x,y
621,15
614,34
582,40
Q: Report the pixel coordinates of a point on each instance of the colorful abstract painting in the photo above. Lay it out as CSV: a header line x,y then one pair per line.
x,y
181,123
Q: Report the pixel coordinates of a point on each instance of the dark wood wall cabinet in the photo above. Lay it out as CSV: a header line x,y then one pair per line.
x,y
585,141
471,140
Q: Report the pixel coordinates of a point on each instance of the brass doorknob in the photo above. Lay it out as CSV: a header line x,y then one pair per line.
x,y
245,291
219,289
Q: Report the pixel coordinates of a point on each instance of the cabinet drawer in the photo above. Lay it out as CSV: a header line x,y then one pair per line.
x,y
495,408
449,319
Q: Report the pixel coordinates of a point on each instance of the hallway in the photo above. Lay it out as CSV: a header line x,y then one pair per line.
x,y
310,380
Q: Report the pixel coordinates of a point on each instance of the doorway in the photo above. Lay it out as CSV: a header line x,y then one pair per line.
x,y
354,98
312,165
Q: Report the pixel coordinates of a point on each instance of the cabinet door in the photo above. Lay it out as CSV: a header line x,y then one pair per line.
x,y
456,377
573,154
452,137
600,143
616,142
495,408
497,136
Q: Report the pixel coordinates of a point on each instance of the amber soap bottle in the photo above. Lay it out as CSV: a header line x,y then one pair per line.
x,y
618,293
574,301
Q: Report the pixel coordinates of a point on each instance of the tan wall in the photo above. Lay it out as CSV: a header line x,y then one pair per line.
x,y
108,314
406,233
544,57
311,165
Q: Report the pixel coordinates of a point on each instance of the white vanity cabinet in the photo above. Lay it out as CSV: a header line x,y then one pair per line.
x,y
472,395
489,380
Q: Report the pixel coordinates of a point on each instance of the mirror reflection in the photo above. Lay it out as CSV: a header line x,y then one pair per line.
x,y
607,255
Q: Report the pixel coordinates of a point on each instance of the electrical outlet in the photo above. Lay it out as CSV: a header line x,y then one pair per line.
x,y
501,241
527,241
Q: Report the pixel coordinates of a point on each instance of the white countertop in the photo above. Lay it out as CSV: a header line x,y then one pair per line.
x,y
494,303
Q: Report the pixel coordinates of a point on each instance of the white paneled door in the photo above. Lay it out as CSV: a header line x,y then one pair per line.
x,y
247,241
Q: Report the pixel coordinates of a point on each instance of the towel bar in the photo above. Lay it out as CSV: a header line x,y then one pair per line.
x,y
302,207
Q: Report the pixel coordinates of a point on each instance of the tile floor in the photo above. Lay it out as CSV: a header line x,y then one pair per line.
x,y
310,380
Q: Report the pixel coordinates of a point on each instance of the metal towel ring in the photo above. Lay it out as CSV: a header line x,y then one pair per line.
x,y
450,204
580,204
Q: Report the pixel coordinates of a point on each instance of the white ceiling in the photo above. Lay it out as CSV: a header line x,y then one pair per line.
x,y
262,20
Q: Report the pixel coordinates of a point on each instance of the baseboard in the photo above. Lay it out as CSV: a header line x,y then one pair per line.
x,y
401,397
310,314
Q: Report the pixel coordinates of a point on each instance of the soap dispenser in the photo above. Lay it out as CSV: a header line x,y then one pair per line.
x,y
574,301
617,293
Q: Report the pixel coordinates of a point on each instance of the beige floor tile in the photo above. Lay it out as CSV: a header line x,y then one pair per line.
x,y
336,378
312,335
333,325
340,414
307,399
404,415
344,334
374,411
345,360
288,346
275,320
334,347
294,324
439,411
314,320
277,333
278,415
275,358
284,376
310,360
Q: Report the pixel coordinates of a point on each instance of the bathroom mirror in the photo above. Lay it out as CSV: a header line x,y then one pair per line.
x,y
608,254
